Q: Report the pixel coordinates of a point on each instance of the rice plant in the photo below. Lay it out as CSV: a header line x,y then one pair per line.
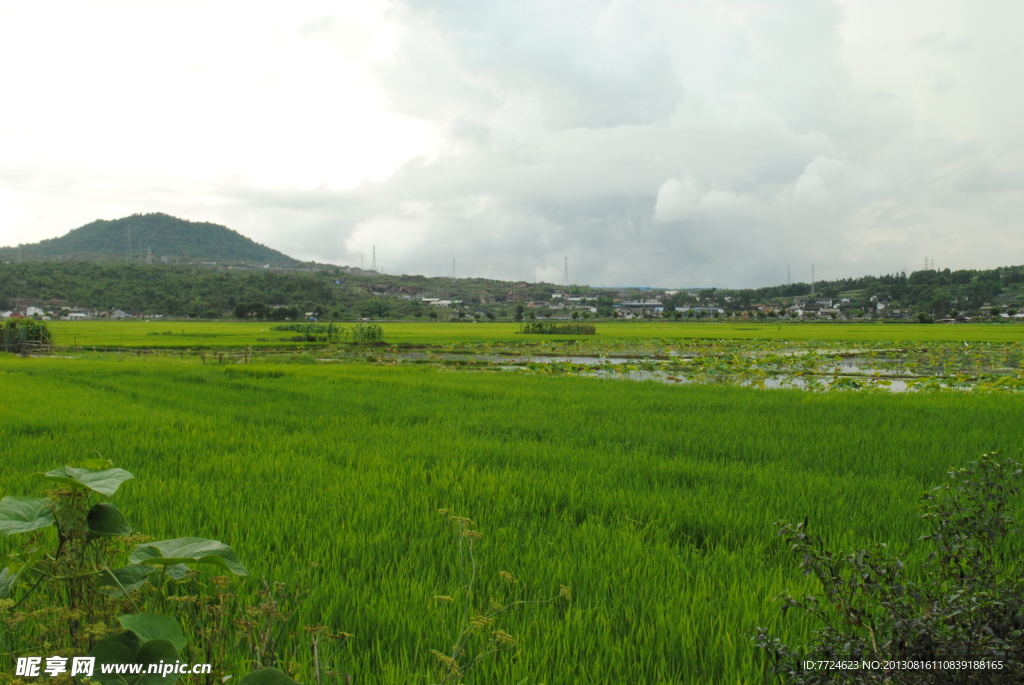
x,y
654,503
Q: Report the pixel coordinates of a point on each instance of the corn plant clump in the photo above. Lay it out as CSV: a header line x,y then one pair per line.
x,y
314,332
365,333
23,335
545,328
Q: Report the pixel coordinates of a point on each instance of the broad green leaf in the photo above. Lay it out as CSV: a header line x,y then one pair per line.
x,y
266,676
106,519
188,551
105,481
8,578
130,577
154,627
176,571
158,651
10,575
97,464
24,514
116,649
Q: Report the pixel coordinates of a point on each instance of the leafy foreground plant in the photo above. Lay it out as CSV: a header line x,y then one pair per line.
x,y
963,622
73,600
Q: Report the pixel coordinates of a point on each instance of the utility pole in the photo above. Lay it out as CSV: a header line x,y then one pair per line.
x,y
812,279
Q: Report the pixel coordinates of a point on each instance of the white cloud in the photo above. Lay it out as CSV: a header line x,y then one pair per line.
x,y
667,141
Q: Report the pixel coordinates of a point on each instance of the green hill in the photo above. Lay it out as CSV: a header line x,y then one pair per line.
x,y
141,237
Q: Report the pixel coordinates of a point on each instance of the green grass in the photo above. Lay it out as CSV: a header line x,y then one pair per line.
x,y
656,504
231,334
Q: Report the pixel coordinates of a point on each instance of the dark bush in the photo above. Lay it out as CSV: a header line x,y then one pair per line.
x,y
961,614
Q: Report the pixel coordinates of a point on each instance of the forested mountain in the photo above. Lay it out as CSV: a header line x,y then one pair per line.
x,y
207,291
940,292
92,267
149,237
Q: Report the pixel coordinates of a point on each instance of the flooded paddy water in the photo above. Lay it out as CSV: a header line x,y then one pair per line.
x,y
815,366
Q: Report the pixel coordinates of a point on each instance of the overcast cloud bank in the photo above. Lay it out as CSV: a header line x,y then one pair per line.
x,y
661,143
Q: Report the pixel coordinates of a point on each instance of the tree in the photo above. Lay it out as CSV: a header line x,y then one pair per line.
x,y
376,307
519,312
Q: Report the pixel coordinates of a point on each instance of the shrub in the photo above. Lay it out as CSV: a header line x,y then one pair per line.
x,y
966,609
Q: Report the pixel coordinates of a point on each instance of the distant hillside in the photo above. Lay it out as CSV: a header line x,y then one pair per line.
x,y
133,238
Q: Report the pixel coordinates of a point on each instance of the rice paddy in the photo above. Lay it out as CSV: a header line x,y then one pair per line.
x,y
653,504
232,334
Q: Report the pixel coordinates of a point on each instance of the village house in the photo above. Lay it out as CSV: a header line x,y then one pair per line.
x,y
706,311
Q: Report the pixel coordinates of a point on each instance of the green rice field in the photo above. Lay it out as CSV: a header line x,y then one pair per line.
x,y
230,334
655,505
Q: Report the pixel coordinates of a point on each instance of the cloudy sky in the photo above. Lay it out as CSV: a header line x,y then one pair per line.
x,y
651,142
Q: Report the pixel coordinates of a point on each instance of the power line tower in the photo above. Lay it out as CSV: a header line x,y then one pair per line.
x,y
149,255
453,269
565,273
788,280
812,279
373,265
129,261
